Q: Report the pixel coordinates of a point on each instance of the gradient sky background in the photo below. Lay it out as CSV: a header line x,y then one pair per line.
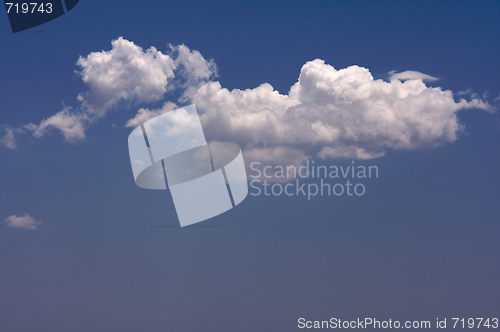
x,y
422,243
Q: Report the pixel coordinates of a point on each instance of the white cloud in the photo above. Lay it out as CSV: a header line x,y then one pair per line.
x,y
25,221
193,70
9,134
411,75
329,113
464,93
9,140
145,114
128,73
125,73
341,113
71,124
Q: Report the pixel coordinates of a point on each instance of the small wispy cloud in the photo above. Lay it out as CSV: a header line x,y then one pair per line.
x,y
71,124
8,140
497,98
411,75
25,221
465,92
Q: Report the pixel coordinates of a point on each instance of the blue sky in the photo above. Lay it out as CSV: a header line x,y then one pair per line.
x,y
421,244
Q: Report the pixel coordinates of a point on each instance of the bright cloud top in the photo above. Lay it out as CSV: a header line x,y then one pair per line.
x,y
124,73
328,112
25,222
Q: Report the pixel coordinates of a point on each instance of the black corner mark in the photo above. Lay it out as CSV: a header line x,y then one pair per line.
x,y
70,4
31,13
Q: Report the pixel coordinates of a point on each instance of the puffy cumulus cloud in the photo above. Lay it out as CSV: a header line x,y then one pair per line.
x,y
329,113
193,70
249,117
340,113
411,75
129,73
125,74
145,114
25,222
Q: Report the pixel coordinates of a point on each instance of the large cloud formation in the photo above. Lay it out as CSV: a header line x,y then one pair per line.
x,y
329,113
341,113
